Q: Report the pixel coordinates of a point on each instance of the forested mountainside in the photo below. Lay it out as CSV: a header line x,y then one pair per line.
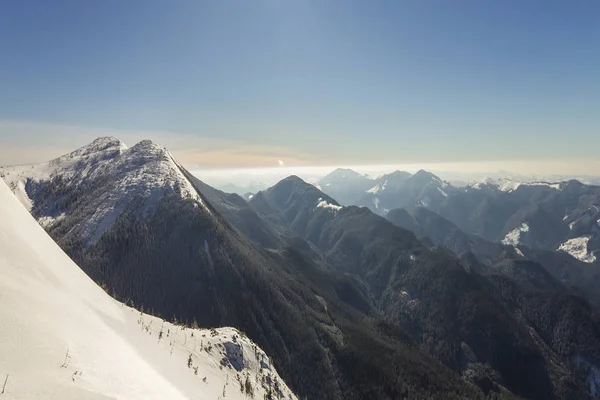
x,y
456,310
576,275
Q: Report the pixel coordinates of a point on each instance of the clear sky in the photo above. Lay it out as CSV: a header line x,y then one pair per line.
x,y
307,82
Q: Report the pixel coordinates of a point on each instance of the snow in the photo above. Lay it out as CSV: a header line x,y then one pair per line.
x,y
48,221
518,251
512,238
325,204
380,187
62,337
507,185
577,247
145,170
424,202
442,192
376,202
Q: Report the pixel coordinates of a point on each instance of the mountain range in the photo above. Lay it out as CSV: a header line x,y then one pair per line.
x,y
563,216
386,296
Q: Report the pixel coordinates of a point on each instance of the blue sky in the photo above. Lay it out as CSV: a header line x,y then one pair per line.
x,y
247,83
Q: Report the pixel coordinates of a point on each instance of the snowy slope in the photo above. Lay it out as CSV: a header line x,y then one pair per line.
x,y
62,337
112,177
578,248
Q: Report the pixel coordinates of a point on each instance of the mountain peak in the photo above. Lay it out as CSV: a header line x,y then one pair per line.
x,y
109,176
147,150
106,141
104,147
295,179
423,175
402,175
146,144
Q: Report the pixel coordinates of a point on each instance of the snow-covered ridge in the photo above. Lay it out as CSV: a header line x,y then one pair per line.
x,y
145,171
380,187
62,337
507,185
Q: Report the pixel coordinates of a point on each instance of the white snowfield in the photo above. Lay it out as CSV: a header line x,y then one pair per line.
x,y
62,337
577,247
145,170
513,237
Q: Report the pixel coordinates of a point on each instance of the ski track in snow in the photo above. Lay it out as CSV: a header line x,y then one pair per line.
x,y
62,337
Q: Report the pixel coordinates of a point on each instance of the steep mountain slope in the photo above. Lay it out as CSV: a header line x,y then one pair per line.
x,y
426,223
576,275
551,216
64,338
237,211
454,313
169,249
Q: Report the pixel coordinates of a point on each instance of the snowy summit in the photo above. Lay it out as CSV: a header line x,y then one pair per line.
x,y
112,175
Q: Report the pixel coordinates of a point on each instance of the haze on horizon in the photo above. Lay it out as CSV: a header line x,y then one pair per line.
x,y
290,85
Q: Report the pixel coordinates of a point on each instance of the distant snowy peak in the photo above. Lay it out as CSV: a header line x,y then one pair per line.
x,y
341,174
380,187
507,185
109,176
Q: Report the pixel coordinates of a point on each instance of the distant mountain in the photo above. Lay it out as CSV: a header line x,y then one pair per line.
x,y
570,272
562,217
402,190
550,216
140,226
460,315
63,337
345,185
426,223
252,187
237,211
